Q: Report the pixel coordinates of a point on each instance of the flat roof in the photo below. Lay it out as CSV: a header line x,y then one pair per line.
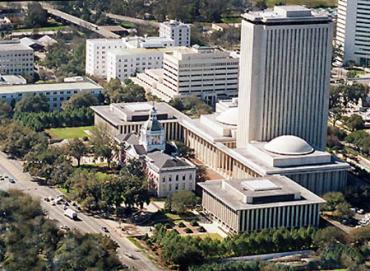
x,y
49,87
132,51
230,192
285,15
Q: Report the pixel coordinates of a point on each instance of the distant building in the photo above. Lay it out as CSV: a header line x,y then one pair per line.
x,y
208,73
16,58
285,64
124,63
353,32
178,31
56,93
97,50
244,205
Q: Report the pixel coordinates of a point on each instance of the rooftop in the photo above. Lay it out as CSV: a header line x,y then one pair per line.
x,y
49,87
133,51
286,14
264,192
164,161
13,45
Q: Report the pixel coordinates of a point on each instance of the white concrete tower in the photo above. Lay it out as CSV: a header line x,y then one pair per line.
x,y
353,31
284,75
177,31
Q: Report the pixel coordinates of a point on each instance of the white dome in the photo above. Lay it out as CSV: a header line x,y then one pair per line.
x,y
229,117
289,145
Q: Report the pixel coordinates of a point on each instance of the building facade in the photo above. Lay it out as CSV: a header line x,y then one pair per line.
x,y
56,93
353,32
208,73
97,50
16,58
123,63
244,205
178,31
285,74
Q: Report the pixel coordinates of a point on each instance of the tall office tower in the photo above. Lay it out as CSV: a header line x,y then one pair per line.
x,y
353,31
177,31
284,75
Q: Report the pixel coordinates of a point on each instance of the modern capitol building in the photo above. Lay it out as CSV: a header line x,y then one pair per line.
x,y
277,126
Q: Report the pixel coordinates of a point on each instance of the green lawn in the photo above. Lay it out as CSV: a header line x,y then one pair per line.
x,y
213,236
308,3
68,133
48,28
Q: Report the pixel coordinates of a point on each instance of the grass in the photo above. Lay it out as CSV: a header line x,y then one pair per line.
x,y
128,24
308,3
68,133
136,242
212,235
47,28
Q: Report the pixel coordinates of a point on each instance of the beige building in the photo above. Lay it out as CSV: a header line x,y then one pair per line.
x,y
244,205
208,73
285,67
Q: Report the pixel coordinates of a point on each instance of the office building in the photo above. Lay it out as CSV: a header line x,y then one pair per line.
x,y
56,93
123,63
244,205
213,139
285,66
353,32
16,58
97,50
177,31
208,73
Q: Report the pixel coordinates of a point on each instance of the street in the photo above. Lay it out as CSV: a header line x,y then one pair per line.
x,y
85,224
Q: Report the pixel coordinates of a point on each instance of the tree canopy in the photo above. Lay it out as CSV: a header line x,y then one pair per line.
x,y
80,100
36,16
29,241
32,104
128,92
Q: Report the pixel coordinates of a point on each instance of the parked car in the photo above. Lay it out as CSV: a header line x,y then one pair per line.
x,y
71,214
104,229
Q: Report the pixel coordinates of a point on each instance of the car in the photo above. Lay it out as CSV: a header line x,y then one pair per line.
x,y
360,211
53,204
46,199
11,180
66,203
105,229
65,207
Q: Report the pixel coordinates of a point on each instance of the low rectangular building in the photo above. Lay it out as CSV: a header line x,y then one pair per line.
x,y
56,93
244,205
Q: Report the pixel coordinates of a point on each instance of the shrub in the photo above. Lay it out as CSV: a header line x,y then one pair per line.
x,y
194,223
201,229
187,230
181,225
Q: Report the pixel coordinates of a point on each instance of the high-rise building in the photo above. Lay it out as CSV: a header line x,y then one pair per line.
x,y
353,31
208,73
285,75
177,31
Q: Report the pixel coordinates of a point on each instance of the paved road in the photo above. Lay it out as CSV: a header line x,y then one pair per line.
x,y
131,19
87,224
78,21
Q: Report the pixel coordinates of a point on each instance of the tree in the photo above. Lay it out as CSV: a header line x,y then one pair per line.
x,y
332,200
328,236
17,140
102,143
134,167
33,103
5,110
355,122
80,100
192,106
36,15
129,92
184,151
77,149
181,201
